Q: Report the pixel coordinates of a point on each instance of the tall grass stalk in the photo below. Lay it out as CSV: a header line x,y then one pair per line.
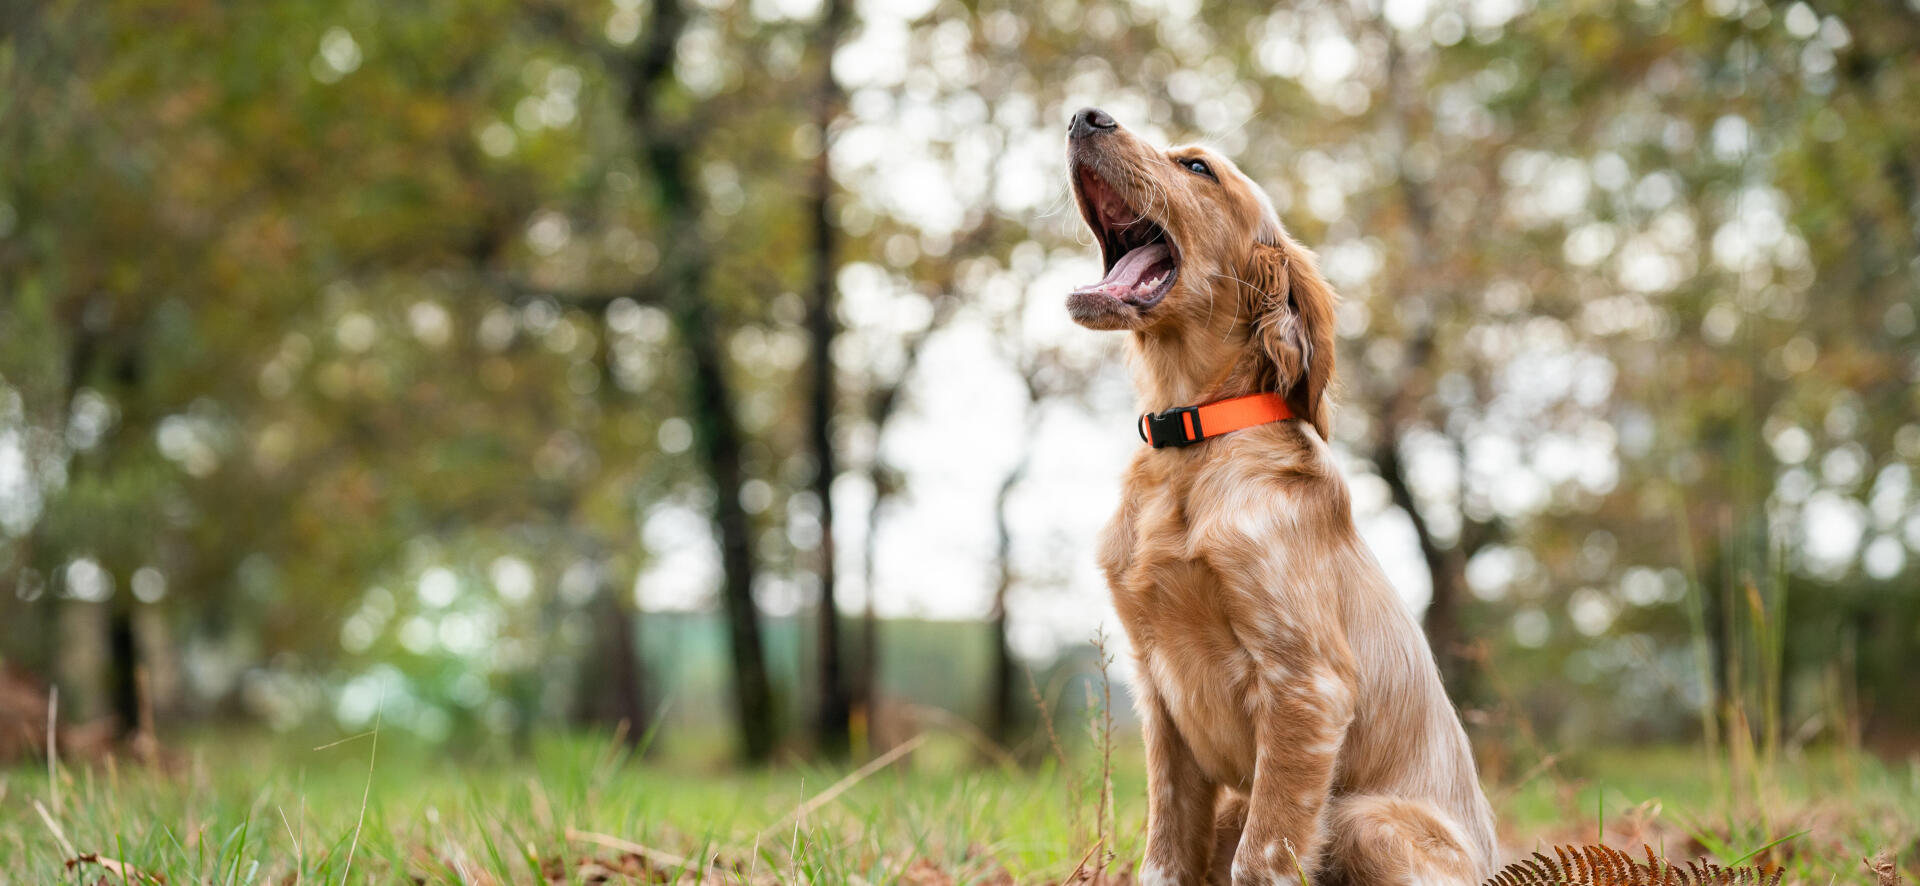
x,y
1696,605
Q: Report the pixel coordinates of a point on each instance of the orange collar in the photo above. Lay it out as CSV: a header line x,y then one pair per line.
x,y
1187,425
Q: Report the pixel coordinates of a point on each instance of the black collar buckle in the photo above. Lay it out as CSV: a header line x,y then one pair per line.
x,y
1169,428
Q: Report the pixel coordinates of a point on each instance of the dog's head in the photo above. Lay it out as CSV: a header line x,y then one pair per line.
x,y
1190,242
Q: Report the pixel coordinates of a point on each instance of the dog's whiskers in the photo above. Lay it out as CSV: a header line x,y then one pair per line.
x,y
1059,203
1236,305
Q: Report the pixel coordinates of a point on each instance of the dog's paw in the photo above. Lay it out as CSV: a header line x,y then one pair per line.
x,y
1274,864
1152,874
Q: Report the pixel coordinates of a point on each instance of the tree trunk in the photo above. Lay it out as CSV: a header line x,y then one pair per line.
x,y
123,649
836,706
1446,569
32,626
866,673
717,436
123,664
625,695
1002,718
1446,566
630,679
885,403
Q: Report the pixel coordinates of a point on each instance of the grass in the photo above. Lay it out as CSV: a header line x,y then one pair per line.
x,y
260,813
579,810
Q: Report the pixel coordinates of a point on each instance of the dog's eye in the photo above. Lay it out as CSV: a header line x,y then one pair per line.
x,y
1197,165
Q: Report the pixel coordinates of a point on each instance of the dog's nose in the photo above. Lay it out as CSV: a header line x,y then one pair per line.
x,y
1088,121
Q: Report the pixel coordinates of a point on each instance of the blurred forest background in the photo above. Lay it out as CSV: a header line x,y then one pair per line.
x,y
502,364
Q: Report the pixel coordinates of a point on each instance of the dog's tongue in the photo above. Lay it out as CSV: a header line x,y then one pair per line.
x,y
1137,274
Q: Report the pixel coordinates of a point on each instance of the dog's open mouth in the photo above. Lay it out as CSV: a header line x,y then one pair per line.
x,y
1142,261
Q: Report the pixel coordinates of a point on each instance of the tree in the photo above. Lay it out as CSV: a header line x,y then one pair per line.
x,y
836,704
665,154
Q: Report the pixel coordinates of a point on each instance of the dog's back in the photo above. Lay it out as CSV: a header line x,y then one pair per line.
x,y
1406,739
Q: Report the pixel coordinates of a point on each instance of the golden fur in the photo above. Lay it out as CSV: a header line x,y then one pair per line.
x,y
1294,717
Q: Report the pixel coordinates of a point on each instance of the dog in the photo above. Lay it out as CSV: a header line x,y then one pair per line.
x,y
1296,727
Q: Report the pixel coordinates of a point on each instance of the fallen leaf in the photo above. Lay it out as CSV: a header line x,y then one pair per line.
x,y
115,867
925,873
1881,864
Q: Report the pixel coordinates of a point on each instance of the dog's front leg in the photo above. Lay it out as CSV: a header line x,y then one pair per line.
x,y
1180,801
1299,737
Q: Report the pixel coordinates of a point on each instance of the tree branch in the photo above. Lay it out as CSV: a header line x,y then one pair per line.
x,y
508,287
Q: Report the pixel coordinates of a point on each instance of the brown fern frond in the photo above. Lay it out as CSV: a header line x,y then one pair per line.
x,y
1614,866
1592,866
1597,865
1553,867
1567,861
1661,871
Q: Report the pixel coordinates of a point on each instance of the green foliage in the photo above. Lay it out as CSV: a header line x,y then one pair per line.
x,y
301,302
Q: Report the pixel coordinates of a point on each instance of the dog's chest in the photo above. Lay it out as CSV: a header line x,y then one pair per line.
x,y
1180,621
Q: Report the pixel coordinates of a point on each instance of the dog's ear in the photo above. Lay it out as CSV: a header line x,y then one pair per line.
x,y
1293,327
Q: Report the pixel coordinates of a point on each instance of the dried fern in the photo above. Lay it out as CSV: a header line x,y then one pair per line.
x,y
1606,866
